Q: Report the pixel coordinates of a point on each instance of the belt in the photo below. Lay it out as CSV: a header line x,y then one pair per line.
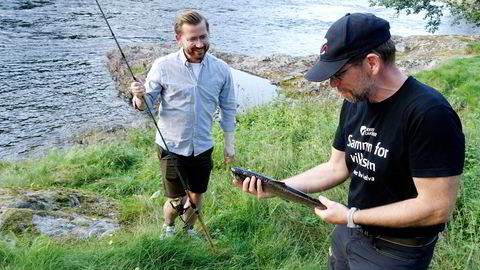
x,y
409,242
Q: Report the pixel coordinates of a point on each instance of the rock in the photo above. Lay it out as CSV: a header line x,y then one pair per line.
x,y
156,194
16,220
57,213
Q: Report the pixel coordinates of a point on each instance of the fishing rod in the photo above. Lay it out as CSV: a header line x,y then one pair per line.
x,y
194,207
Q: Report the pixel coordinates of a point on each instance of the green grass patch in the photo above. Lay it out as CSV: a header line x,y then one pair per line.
x,y
473,48
139,69
459,81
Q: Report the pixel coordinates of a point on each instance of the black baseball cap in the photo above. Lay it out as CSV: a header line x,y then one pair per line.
x,y
351,35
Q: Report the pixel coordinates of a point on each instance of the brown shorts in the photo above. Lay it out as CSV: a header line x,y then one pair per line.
x,y
195,172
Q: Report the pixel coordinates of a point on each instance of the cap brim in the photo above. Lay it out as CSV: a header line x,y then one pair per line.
x,y
322,70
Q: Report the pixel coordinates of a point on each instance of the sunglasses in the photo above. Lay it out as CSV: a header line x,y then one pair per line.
x,y
339,74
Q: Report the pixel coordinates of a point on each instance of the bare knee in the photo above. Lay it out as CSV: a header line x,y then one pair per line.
x,y
172,205
196,198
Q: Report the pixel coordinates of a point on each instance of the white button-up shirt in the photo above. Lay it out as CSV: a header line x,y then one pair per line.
x,y
187,104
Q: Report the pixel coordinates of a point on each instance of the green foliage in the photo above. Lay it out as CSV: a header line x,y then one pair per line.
x,y
139,69
464,9
7,254
458,80
473,48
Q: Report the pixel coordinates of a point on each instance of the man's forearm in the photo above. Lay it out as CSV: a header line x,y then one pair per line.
x,y
407,213
319,178
433,205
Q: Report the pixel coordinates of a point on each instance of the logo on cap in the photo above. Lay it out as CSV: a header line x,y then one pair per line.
x,y
324,47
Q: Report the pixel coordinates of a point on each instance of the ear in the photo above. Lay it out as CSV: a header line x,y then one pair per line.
x,y
373,63
178,38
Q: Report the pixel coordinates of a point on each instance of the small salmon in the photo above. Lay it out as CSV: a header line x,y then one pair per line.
x,y
277,188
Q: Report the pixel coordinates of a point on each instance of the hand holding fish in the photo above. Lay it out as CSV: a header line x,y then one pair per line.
x,y
263,186
336,213
253,186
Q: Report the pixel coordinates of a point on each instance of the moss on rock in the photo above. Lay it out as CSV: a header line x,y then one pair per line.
x,y
16,220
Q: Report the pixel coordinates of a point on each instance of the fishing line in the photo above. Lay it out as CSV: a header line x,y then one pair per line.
x,y
194,207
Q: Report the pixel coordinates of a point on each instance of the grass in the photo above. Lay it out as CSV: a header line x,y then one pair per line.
x,y
279,140
473,48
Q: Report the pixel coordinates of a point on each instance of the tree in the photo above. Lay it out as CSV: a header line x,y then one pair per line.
x,y
468,10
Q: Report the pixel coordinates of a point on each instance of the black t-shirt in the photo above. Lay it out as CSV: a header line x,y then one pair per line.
x,y
413,133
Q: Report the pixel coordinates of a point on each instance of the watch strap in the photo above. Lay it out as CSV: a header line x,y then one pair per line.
x,y
350,223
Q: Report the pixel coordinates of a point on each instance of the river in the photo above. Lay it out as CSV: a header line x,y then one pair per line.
x,y
54,80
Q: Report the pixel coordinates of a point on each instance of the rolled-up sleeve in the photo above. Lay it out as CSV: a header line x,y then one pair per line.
x,y
153,85
228,105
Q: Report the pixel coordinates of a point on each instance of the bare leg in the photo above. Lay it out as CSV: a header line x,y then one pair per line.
x,y
197,199
169,213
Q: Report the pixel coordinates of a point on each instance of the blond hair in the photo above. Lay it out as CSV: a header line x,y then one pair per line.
x,y
188,17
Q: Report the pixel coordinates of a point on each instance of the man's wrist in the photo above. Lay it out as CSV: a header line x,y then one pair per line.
x,y
229,142
350,221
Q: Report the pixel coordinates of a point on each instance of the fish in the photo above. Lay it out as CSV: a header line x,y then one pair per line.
x,y
278,188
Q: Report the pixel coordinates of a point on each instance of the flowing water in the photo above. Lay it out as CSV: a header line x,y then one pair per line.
x,y
53,78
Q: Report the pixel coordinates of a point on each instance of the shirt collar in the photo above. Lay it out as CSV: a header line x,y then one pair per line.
x,y
184,59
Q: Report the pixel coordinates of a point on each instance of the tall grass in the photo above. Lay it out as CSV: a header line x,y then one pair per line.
x,y
279,140
459,80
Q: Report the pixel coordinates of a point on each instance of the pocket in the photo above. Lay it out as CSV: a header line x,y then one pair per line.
x,y
171,168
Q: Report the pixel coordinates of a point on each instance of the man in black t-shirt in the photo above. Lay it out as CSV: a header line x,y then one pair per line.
x,y
398,140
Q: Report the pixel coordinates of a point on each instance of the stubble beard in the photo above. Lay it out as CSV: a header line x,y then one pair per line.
x,y
367,89
198,54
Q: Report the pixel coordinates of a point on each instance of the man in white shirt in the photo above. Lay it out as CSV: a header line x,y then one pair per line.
x,y
190,84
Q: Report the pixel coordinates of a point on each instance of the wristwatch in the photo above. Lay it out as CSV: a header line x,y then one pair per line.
x,y
350,223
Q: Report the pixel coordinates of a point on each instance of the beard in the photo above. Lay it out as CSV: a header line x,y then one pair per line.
x,y
365,90
361,95
197,54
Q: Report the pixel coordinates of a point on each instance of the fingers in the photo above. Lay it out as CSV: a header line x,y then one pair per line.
x,y
259,189
336,213
137,89
252,187
246,184
325,201
320,212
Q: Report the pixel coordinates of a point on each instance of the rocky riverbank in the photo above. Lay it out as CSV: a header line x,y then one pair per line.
x,y
414,53
55,212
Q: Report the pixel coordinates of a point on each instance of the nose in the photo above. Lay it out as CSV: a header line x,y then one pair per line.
x,y
199,44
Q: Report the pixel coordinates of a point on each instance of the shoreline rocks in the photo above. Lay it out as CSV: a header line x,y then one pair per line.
x,y
414,53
